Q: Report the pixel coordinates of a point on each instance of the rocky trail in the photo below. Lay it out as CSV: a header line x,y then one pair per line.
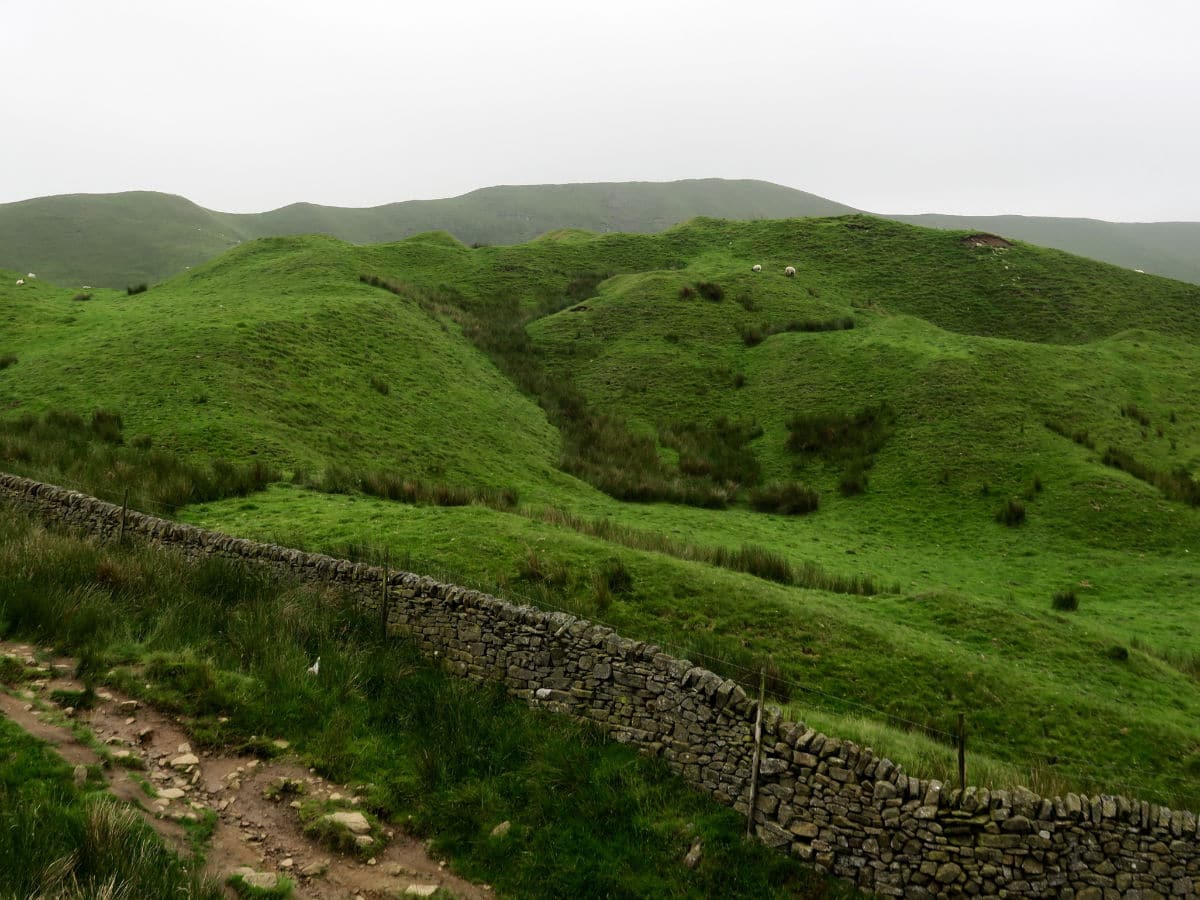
x,y
249,808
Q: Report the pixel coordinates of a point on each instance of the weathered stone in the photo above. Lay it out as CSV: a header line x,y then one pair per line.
x,y
948,873
354,822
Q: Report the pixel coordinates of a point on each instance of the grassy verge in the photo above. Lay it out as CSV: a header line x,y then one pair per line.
x,y
587,816
59,840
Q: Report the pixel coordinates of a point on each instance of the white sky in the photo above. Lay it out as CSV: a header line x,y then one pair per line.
x,y
1055,107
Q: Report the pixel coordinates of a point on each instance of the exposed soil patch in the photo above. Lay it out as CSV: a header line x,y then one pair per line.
x,y
985,240
149,762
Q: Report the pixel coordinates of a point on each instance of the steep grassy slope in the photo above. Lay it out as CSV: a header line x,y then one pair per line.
x,y
276,351
1005,373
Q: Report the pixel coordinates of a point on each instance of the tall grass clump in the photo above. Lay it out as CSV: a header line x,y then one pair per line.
x,y
752,336
1177,485
62,448
341,479
57,840
852,440
1065,601
136,289
1012,513
8,359
789,498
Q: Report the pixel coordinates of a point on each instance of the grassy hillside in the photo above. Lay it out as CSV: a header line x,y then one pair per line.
x,y
110,240
1162,248
115,240
920,385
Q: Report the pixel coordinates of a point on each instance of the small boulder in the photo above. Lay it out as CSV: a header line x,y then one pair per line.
x,y
693,856
186,761
354,822
81,775
420,890
263,881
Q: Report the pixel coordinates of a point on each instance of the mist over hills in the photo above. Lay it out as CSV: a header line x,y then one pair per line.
x,y
115,240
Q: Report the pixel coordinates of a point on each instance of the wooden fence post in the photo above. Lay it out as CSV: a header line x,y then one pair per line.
x,y
762,691
124,512
962,751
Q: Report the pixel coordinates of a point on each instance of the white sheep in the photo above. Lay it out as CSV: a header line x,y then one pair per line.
x,y
756,268
31,276
790,271
87,287
20,281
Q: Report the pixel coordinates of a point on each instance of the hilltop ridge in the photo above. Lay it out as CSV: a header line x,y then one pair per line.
x,y
119,239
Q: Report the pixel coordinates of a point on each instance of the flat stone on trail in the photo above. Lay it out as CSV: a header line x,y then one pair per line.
x,y
420,890
185,761
170,793
264,881
184,748
354,822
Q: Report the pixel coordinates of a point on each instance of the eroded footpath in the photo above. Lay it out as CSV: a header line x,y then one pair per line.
x,y
243,812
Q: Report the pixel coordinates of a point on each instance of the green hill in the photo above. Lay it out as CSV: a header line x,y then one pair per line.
x,y
921,383
114,240
1163,248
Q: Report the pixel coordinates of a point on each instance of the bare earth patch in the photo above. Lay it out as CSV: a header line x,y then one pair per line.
x,y
154,767
985,240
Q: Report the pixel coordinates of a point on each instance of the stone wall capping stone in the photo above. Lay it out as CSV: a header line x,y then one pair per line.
x,y
831,802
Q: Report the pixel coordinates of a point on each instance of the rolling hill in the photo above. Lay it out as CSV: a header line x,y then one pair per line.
x,y
640,394
114,240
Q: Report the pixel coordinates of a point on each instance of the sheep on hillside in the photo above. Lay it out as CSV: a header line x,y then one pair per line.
x,y
31,276
756,268
790,271
20,281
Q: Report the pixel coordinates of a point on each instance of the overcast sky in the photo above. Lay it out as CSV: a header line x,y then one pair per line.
x,y
1055,107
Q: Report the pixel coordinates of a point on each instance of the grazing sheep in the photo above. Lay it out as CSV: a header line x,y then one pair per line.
x,y
87,287
756,268
20,281
31,276
790,271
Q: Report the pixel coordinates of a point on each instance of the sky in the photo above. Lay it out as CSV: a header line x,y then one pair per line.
x,y
1054,107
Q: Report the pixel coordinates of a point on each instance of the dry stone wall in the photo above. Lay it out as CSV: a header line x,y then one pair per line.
x,y
819,798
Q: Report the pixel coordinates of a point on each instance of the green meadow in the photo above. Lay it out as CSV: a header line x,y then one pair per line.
x,y
1001,443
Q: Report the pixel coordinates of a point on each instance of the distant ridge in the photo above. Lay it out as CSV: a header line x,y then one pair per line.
x,y
115,240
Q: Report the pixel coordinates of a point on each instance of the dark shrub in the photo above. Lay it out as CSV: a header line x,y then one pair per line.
x,y
106,425
853,481
788,498
8,359
1133,411
739,380
687,292
142,442
1118,653
379,385
137,289
1066,601
747,302
1012,513
617,577
82,297
711,291
752,336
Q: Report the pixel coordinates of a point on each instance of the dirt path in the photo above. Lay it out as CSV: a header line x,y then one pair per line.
x,y
150,755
